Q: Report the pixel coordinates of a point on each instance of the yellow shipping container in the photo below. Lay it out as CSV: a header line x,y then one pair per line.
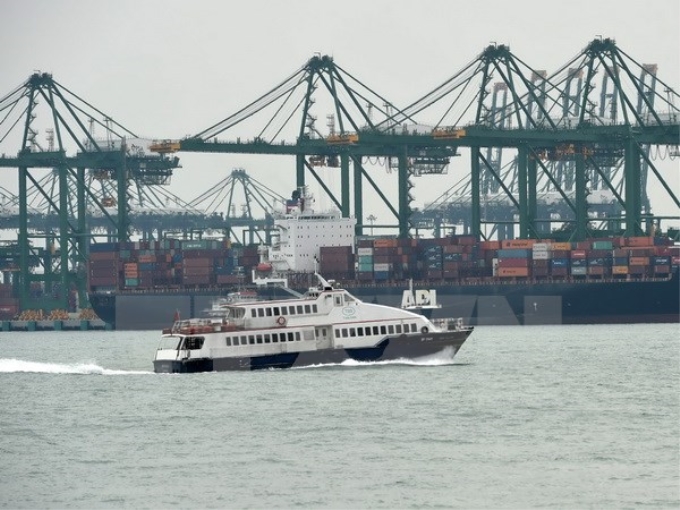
x,y
561,246
619,269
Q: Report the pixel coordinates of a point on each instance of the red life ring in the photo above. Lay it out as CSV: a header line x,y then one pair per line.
x,y
281,321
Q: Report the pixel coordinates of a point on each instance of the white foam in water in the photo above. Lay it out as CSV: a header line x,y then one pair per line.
x,y
8,366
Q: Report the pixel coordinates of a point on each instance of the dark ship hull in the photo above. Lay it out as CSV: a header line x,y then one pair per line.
x,y
527,302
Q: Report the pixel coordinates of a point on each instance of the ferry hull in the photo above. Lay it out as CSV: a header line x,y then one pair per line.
x,y
390,349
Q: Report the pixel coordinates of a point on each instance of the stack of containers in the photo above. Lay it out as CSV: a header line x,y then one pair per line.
x,y
639,251
452,260
514,257
9,306
600,259
130,275
488,261
103,266
337,262
620,259
433,261
146,262
469,256
578,260
540,259
365,259
405,262
197,263
384,252
225,269
248,258
674,253
559,263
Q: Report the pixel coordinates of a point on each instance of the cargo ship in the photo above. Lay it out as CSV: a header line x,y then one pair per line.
x,y
143,285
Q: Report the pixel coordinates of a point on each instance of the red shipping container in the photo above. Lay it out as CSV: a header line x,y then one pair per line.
x,y
513,262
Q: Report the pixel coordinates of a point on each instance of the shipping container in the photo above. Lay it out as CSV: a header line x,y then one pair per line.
x,y
504,272
517,243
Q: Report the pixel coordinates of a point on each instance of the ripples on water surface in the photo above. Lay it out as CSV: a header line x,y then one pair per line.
x,y
524,417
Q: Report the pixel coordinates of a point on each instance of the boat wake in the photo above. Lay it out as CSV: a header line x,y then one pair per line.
x,y
11,366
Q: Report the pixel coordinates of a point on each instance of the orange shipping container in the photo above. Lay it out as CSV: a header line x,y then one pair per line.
x,y
620,270
385,243
640,241
490,245
509,244
638,261
513,271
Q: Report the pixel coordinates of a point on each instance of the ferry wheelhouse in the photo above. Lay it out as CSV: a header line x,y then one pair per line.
x,y
325,325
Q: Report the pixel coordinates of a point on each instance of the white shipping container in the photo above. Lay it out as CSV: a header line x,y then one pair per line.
x,y
382,267
540,255
364,251
541,247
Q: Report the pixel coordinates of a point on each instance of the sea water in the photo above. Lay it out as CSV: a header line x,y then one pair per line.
x,y
523,417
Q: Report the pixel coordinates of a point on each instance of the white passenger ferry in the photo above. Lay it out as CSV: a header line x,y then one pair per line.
x,y
326,325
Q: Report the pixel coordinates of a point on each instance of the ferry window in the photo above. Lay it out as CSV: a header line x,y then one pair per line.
x,y
291,310
260,312
267,339
344,332
275,338
253,312
398,328
244,340
390,329
297,335
413,327
228,342
368,331
269,312
290,336
284,310
352,332
337,333
258,338
194,342
314,309
299,310
277,312
308,309
251,339
360,331
338,300
375,330
383,330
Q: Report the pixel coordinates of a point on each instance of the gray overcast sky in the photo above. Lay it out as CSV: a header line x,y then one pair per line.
x,y
169,68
